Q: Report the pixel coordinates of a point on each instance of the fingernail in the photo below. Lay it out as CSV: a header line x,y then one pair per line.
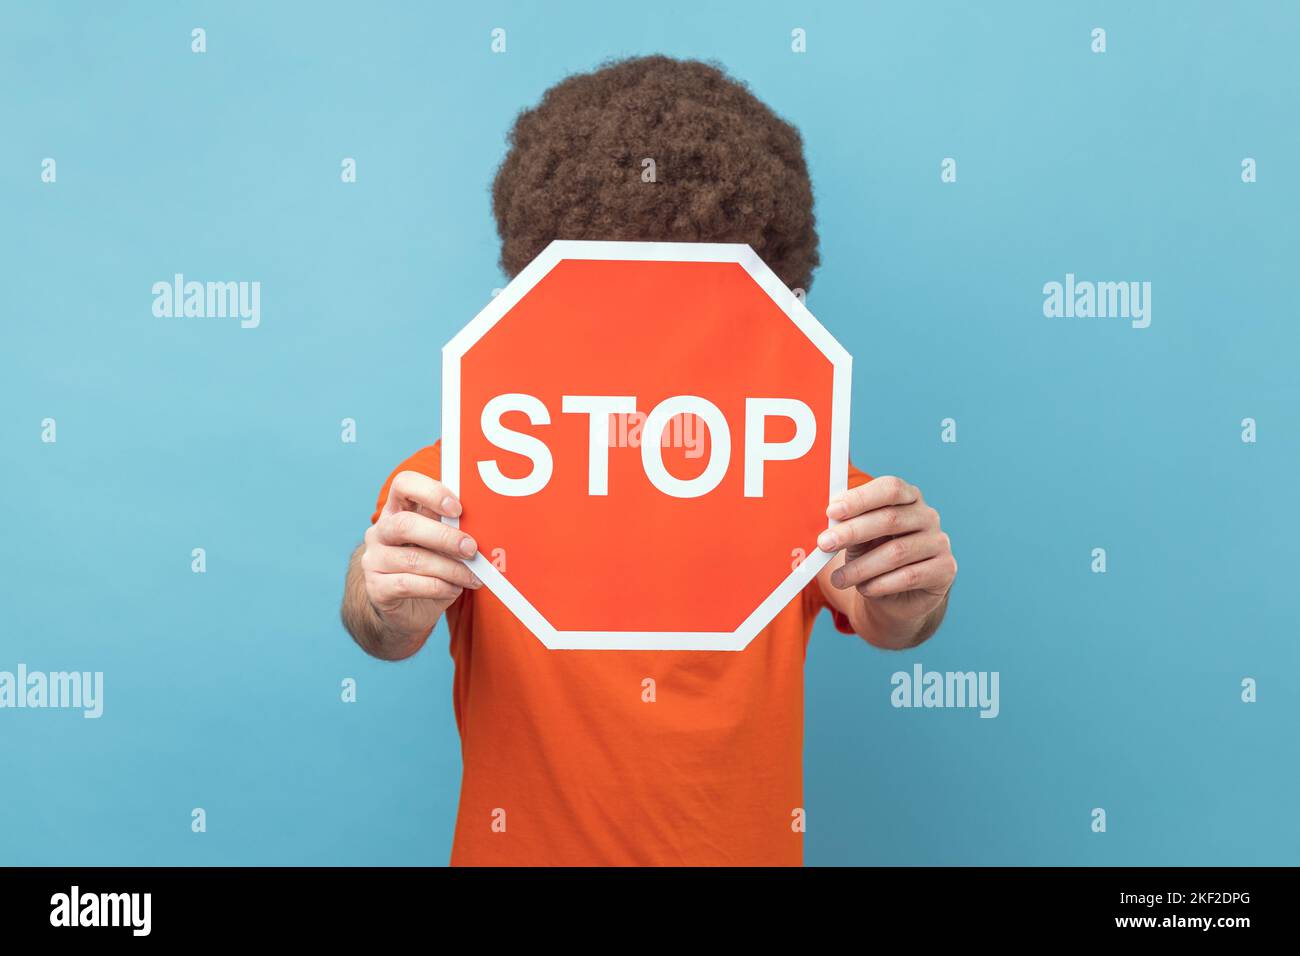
x,y
826,541
837,509
837,579
451,506
467,546
475,582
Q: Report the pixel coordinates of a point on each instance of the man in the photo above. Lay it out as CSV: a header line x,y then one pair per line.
x,y
566,760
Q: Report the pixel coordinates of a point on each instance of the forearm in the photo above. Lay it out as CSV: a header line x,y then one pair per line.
x,y
373,634
889,632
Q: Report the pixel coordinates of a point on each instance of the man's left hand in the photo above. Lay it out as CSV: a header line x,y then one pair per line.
x,y
896,555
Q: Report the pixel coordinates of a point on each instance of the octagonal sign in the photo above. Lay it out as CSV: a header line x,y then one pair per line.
x,y
644,438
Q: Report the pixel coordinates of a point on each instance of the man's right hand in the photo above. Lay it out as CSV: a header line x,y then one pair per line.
x,y
412,561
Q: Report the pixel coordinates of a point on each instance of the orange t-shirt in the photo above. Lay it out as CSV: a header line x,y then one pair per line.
x,y
565,763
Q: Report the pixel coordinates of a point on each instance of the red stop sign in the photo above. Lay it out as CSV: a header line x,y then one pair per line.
x,y
644,438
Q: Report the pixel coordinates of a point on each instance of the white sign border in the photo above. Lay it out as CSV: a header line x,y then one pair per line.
x,y
789,303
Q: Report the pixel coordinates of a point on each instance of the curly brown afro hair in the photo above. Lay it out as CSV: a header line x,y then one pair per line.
x,y
728,169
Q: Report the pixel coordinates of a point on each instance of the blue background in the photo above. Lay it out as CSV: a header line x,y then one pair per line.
x,y
1118,690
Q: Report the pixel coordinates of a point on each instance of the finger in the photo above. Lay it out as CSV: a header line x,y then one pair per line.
x,y
879,523
935,574
412,490
386,559
407,527
895,553
877,493
389,588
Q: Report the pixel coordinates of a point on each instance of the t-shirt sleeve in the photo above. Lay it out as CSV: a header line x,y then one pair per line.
x,y
814,600
427,461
